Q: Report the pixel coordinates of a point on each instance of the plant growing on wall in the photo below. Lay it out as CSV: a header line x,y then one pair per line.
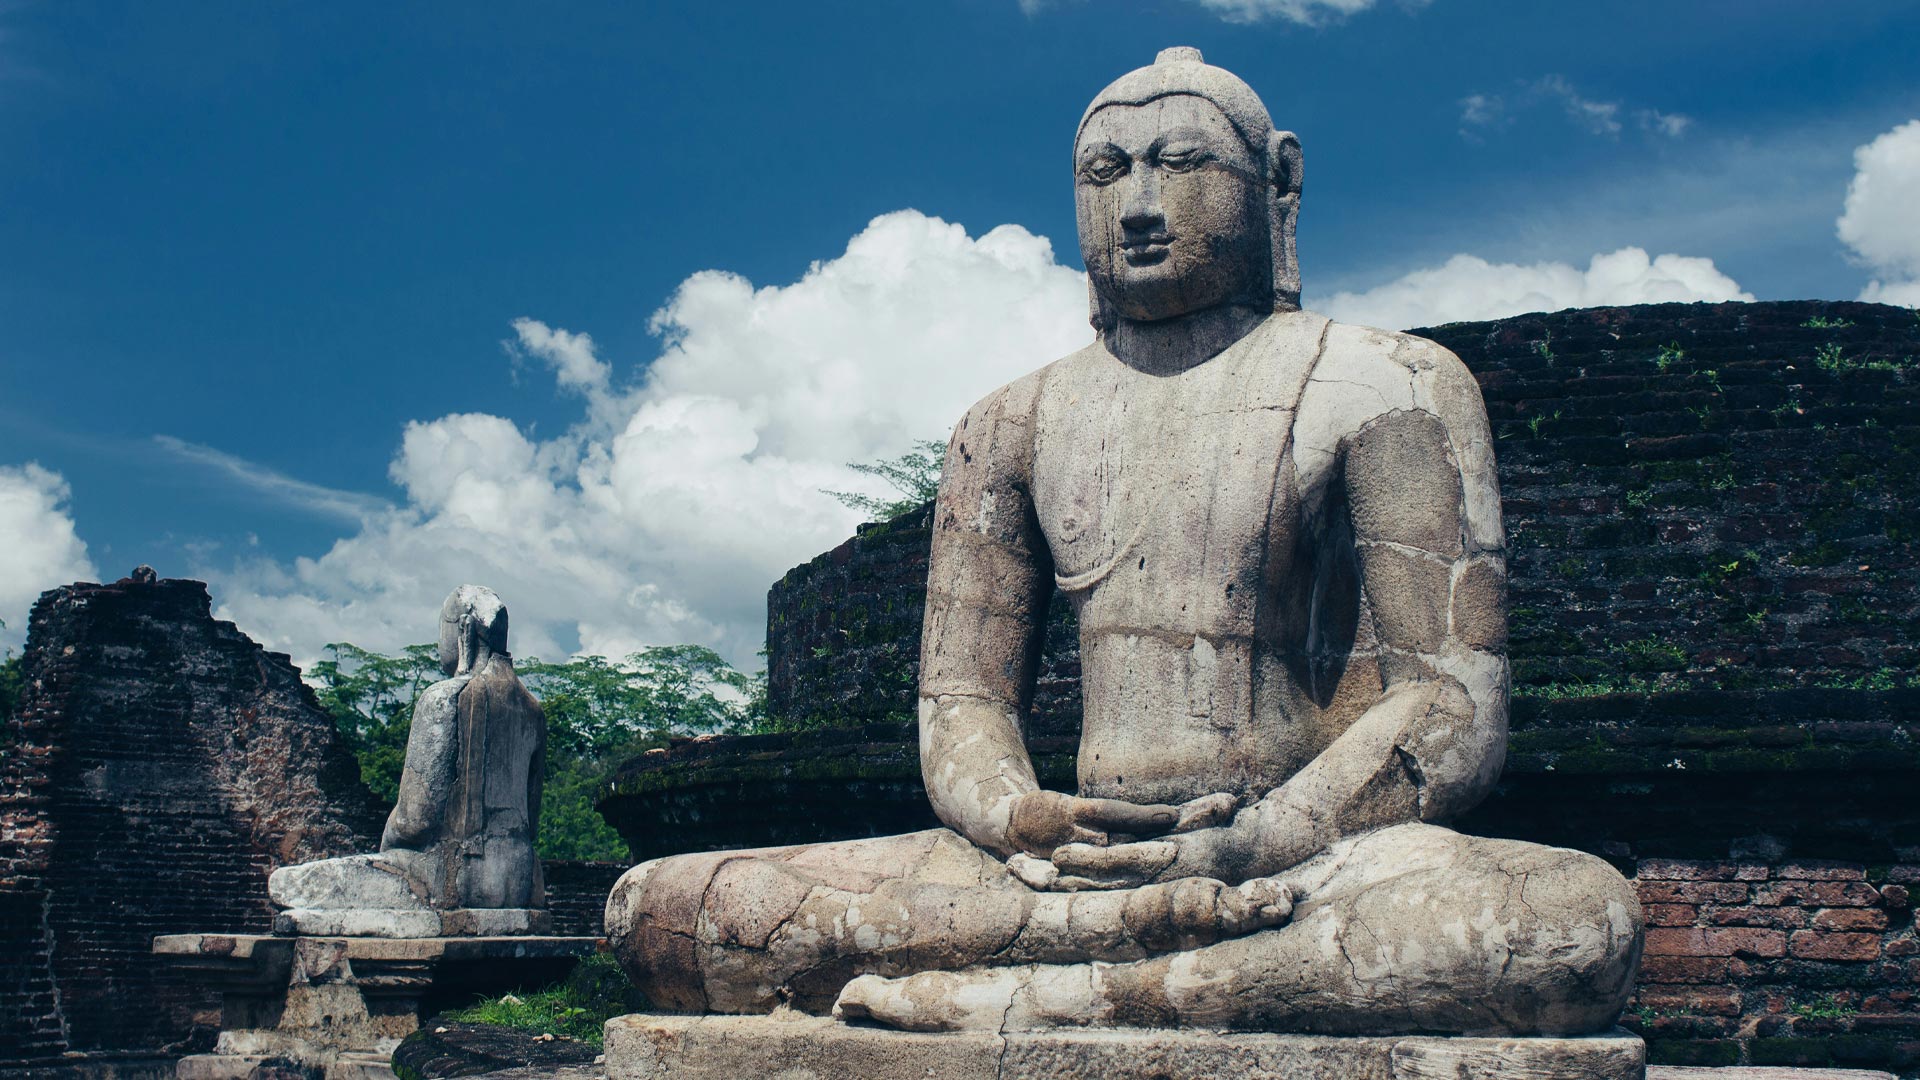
x,y
914,474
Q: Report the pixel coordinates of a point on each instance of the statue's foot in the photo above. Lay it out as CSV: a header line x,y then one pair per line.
x,y
1021,998
1259,904
1192,912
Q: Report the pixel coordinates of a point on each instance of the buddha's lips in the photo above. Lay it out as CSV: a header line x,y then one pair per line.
x,y
1147,249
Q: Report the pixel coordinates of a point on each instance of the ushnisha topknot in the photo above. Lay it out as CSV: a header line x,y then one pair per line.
x,y
1182,70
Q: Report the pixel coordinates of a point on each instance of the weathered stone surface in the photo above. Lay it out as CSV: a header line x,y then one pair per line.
x,y
243,1067
459,841
412,922
446,1048
796,1047
1259,517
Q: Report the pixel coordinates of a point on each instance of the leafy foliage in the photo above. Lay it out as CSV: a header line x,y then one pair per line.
x,y
594,705
914,474
371,698
11,684
12,681
599,713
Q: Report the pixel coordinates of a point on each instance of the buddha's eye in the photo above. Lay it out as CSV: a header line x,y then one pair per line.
x,y
1103,169
1183,159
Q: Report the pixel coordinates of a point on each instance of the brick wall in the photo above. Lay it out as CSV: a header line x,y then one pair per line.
x,y
577,894
160,766
1796,962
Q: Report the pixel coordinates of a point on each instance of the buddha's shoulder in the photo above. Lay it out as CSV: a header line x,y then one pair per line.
x,y
1364,375
1356,349
1016,401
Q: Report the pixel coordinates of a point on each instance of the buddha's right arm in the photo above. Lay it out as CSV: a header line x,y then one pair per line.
x,y
989,581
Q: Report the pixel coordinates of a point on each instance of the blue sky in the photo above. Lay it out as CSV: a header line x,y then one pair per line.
x,y
243,246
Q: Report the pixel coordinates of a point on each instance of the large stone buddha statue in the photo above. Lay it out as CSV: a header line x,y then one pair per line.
x,y
1282,539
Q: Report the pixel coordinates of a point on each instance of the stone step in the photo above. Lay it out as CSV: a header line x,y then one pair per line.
x,y
794,1046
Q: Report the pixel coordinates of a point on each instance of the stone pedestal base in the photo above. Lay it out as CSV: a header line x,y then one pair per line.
x,y
411,922
793,1046
333,1008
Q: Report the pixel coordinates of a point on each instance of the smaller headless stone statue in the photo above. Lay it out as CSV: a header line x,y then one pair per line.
x,y
457,855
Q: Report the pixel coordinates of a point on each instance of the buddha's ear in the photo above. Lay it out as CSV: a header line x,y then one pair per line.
x,y
1283,157
1284,163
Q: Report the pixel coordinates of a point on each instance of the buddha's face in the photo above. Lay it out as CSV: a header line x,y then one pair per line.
x,y
1171,208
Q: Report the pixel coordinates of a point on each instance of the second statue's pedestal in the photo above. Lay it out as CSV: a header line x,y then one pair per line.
x,y
794,1046
335,1007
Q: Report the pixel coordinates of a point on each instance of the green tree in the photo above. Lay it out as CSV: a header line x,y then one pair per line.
x,y
370,696
914,474
12,681
601,713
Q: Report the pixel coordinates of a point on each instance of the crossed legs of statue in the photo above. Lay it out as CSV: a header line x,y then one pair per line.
x,y
1409,928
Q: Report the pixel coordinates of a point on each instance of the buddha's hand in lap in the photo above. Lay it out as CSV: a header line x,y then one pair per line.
x,y
1044,820
1186,846
1259,841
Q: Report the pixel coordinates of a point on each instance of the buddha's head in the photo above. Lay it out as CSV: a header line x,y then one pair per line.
x,y
1186,195
473,626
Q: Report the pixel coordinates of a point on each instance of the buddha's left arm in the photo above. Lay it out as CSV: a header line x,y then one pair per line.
x,y
1424,505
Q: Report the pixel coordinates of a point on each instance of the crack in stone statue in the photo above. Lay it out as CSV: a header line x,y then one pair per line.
x,y
457,856
1282,538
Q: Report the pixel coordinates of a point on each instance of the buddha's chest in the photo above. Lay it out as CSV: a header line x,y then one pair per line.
x,y
1168,490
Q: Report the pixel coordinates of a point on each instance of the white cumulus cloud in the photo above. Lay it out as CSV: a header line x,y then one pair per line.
x,y
1305,12
1599,117
1309,12
684,491
1467,288
1881,220
39,547
1483,112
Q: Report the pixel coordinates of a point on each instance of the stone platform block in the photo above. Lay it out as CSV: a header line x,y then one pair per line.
x,y
795,1046
411,922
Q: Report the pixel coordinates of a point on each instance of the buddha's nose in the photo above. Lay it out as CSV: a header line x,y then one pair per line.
x,y
1140,203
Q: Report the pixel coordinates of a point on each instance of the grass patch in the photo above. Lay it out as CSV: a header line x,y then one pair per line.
x,y
596,991
1826,1007
1575,690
